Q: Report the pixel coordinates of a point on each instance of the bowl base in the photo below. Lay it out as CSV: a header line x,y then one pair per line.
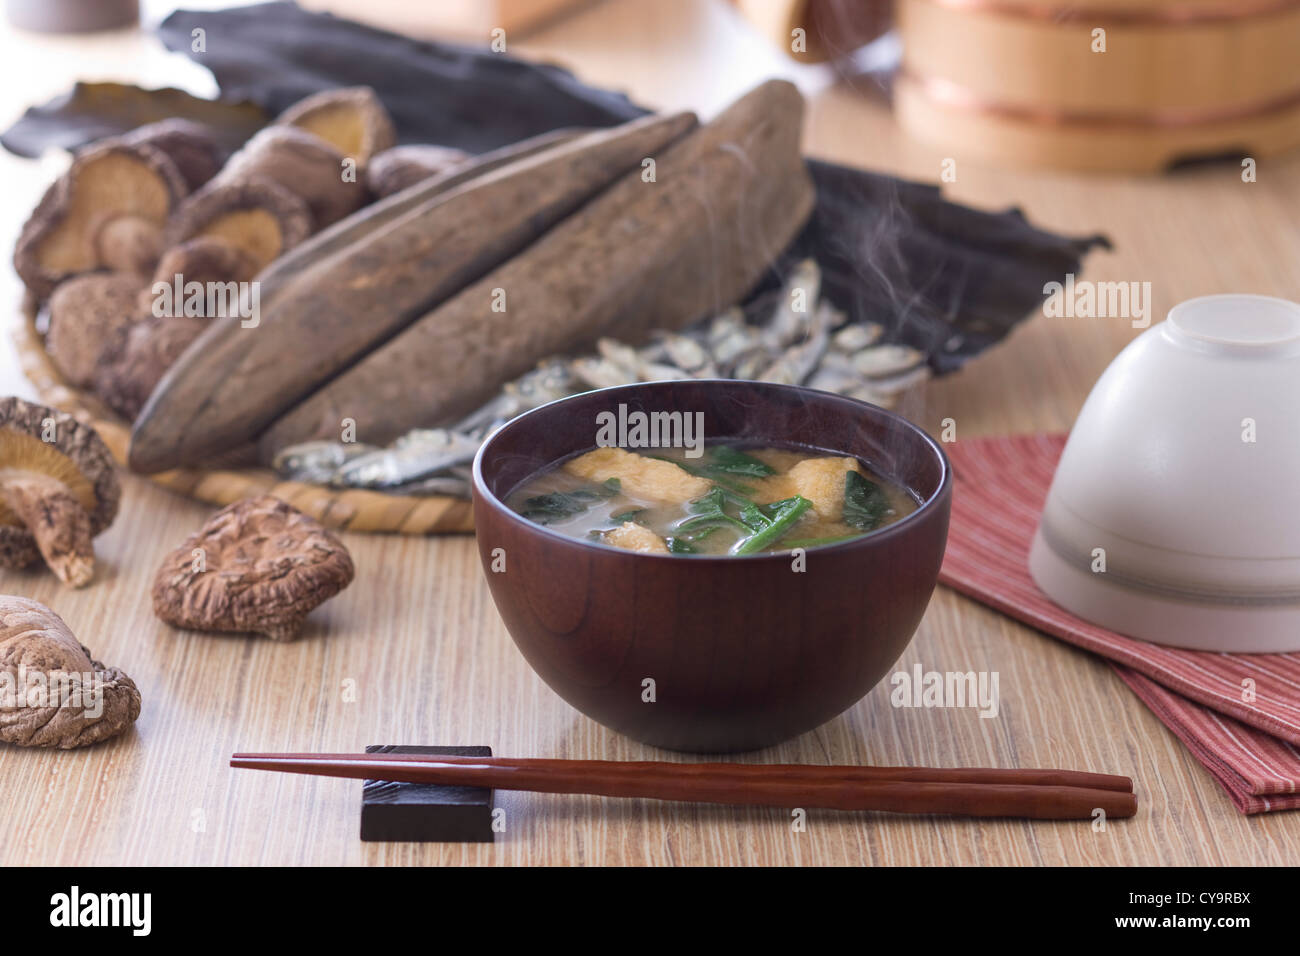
x,y
1161,619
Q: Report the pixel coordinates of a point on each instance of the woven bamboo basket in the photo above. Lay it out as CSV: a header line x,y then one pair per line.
x,y
1104,85
349,510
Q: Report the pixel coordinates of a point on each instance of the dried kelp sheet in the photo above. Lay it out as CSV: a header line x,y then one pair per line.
x,y
943,277
92,111
276,53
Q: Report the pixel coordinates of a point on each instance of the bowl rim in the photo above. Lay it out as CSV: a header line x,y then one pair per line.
x,y
483,494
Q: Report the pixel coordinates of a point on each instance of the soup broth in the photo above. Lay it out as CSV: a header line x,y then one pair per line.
x,y
730,500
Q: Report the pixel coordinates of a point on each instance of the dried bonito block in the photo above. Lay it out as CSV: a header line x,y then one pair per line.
x,y
648,252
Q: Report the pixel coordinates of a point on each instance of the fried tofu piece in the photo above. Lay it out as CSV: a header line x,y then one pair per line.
x,y
820,480
634,537
639,477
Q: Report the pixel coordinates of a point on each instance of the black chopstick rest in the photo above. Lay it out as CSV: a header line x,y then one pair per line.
x,y
424,812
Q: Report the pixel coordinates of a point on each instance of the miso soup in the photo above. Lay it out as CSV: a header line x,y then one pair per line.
x,y
729,500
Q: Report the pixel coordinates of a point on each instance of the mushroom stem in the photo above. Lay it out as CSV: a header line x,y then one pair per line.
x,y
57,521
129,244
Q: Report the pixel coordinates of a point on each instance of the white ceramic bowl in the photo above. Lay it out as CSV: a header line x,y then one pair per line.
x,y
1182,473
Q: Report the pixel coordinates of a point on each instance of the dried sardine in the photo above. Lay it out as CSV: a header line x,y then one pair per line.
x,y
841,363
653,352
723,325
435,440
597,372
895,384
828,378
551,380
730,338
316,462
856,336
751,365
793,313
881,360
422,454
736,348
797,363
621,356
686,353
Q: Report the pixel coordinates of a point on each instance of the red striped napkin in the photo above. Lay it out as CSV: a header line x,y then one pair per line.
x,y
1238,713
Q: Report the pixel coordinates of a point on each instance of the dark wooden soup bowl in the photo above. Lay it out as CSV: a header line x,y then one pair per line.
x,y
713,654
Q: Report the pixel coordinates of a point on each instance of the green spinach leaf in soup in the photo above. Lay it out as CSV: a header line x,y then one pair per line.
x,y
760,526
730,461
785,515
709,511
559,505
865,502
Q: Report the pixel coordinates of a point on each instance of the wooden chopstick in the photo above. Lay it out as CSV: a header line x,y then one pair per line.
x,y
1036,794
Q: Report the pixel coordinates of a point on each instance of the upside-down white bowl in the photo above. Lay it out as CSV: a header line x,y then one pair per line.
x,y
1174,514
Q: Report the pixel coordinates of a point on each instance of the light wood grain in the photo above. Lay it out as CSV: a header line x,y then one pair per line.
x,y
1033,86
417,638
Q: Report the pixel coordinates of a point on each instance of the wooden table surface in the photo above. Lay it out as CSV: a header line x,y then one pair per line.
x,y
413,652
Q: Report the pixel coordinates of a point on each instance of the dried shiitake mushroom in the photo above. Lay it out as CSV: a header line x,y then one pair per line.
x,y
52,692
106,212
205,259
190,146
138,356
305,165
86,312
352,120
256,216
395,169
258,565
58,489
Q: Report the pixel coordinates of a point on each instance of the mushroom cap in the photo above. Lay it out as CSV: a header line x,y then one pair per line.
x,y
205,259
258,565
256,215
74,455
306,166
352,120
139,356
85,314
105,184
95,703
190,145
400,167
